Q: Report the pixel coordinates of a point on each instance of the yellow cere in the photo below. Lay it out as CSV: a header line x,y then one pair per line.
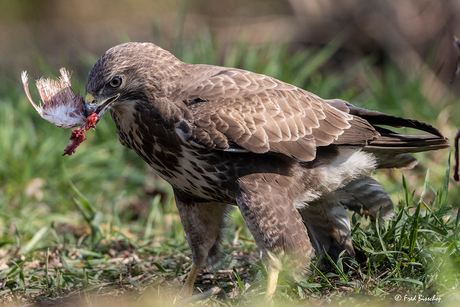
x,y
89,98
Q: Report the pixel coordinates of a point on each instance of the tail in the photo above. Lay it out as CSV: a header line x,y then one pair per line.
x,y
390,148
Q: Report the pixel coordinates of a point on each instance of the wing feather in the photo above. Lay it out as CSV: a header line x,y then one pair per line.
x,y
272,129
261,114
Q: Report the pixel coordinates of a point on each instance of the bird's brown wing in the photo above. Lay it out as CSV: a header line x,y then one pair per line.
x,y
241,110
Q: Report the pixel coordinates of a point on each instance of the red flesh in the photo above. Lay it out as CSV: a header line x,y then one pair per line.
x,y
78,134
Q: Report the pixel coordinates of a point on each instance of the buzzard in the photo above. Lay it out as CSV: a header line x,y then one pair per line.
x,y
289,160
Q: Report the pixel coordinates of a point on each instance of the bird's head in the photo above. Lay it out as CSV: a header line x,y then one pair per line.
x,y
127,74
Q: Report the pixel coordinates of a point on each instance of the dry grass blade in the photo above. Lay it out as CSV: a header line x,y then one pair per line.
x,y
456,176
200,296
457,48
457,136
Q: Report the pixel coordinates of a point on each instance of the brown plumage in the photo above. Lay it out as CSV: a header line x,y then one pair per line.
x,y
291,161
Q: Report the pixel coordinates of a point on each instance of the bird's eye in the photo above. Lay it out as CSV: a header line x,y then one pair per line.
x,y
115,82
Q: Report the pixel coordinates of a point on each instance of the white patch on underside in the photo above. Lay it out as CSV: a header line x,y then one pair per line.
x,y
349,164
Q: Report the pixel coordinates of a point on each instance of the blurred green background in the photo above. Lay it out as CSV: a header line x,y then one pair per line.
x,y
392,56
386,55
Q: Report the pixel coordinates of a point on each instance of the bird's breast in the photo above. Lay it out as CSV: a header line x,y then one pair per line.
x,y
198,173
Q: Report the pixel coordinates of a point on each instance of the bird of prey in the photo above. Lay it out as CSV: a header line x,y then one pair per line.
x,y
289,160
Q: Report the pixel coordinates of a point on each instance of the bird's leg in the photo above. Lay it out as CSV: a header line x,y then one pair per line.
x,y
269,212
203,223
187,288
272,281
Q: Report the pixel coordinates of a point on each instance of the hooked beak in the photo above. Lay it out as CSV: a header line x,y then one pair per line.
x,y
98,107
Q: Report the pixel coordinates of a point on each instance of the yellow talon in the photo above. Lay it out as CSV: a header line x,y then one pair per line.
x,y
271,283
187,288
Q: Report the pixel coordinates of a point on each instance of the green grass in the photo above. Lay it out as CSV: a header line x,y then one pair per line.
x,y
99,227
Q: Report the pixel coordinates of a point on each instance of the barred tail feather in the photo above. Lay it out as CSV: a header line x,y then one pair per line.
x,y
366,196
327,220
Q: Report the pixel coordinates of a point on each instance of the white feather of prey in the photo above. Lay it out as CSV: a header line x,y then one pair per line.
x,y
60,105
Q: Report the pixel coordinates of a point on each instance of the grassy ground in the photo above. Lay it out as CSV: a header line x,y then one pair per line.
x,y
99,227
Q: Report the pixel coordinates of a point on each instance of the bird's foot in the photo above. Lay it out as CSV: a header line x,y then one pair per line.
x,y
185,296
272,281
187,288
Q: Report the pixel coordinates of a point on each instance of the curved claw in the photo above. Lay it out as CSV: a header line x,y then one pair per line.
x,y
187,288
